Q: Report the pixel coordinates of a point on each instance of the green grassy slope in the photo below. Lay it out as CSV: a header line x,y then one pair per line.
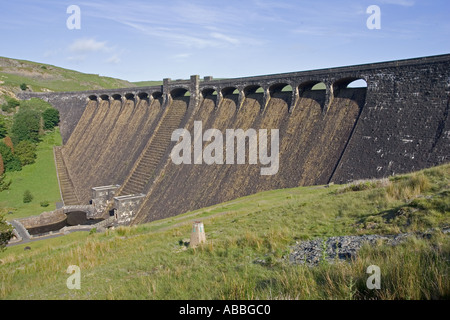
x,y
39,177
147,83
43,77
248,240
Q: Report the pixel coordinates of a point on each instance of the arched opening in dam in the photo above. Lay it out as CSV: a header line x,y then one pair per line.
x,y
210,96
209,92
158,95
360,83
348,83
281,91
256,93
179,92
231,93
312,92
130,96
351,88
116,97
143,96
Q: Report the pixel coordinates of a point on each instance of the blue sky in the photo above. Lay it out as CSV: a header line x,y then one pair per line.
x,y
151,40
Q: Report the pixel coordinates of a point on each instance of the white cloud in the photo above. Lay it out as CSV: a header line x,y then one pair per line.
x,y
181,23
77,58
114,59
404,3
225,38
88,45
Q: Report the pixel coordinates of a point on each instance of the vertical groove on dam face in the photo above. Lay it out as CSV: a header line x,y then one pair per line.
x,y
81,127
145,169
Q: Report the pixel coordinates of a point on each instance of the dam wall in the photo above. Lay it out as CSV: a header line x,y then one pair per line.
x,y
329,131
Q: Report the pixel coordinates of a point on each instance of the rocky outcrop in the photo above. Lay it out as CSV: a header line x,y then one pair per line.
x,y
343,248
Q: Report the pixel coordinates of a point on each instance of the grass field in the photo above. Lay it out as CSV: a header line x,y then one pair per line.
x,y
40,178
248,241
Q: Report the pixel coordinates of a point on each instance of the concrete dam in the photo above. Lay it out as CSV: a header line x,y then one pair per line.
x,y
117,145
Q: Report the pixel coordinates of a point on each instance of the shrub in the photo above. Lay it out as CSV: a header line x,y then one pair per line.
x,y
26,152
44,203
6,233
408,187
10,105
51,118
4,185
23,86
27,196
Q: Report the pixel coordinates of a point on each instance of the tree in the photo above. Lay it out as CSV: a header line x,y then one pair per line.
x,y
10,161
3,184
3,130
26,125
51,118
26,152
6,233
2,166
9,143
27,196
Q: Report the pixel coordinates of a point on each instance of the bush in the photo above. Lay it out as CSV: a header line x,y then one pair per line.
x,y
51,118
27,196
4,185
26,152
10,105
44,203
23,86
26,125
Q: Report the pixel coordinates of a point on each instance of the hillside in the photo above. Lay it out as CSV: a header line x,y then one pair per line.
x,y
41,77
249,241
